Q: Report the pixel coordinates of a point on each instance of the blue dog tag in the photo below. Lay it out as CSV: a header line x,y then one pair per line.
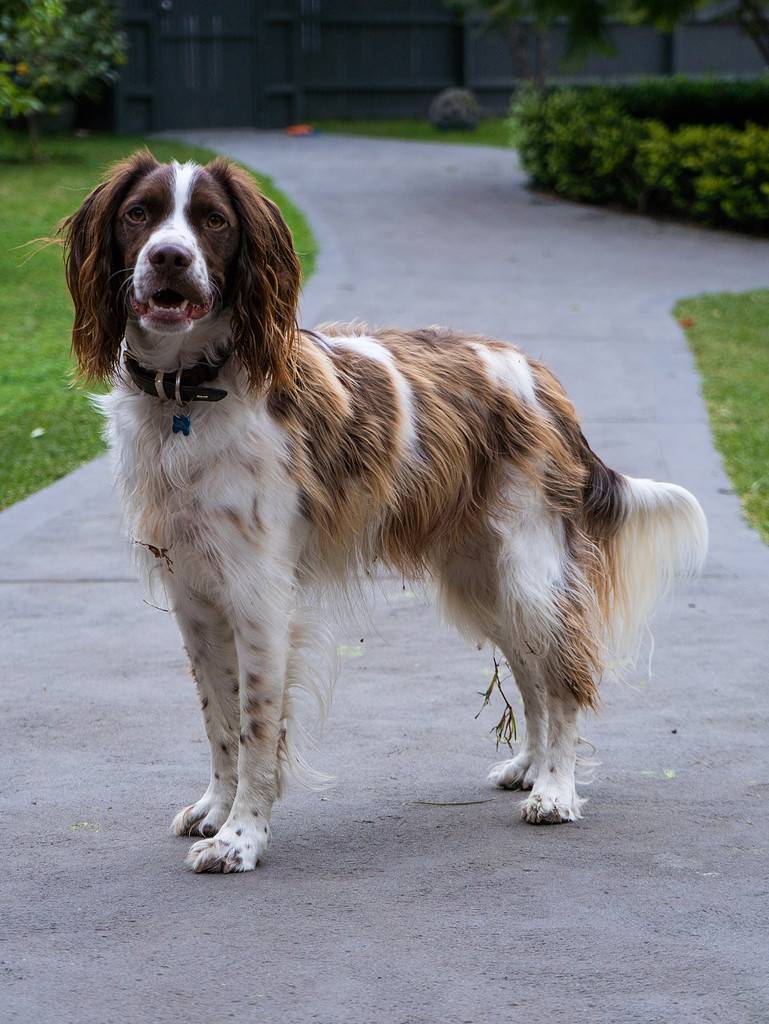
x,y
182,423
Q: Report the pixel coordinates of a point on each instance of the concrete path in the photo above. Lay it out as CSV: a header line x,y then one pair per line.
x,y
381,902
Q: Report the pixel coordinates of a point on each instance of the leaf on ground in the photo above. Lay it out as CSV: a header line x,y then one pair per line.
x,y
84,826
350,651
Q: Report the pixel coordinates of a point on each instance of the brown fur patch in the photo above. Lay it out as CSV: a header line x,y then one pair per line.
x,y
468,429
591,530
414,509
343,451
95,266
254,732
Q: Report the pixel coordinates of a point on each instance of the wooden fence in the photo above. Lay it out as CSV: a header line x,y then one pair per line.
x,y
267,63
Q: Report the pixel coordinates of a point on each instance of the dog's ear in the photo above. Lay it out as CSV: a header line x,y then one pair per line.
x,y
93,266
264,294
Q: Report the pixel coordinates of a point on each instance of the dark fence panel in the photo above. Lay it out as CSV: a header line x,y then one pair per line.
x,y
702,49
267,63
191,63
135,92
378,59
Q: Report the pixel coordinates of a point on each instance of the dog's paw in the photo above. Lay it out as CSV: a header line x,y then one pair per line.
x,y
203,818
236,847
552,806
518,773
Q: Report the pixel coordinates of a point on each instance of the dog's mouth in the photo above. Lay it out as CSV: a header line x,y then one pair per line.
x,y
170,307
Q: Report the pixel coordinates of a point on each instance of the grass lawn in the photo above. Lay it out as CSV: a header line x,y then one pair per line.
x,y
35,309
492,131
728,335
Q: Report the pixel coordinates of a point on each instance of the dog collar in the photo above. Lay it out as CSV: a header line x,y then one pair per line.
x,y
181,386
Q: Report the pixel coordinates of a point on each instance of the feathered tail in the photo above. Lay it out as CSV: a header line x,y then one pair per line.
x,y
658,534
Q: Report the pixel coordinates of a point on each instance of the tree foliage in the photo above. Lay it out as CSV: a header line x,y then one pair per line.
x,y
587,22
51,50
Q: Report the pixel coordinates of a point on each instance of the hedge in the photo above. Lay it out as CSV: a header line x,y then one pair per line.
x,y
584,145
677,101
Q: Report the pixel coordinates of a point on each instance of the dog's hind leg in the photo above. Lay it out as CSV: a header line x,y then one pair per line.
x,y
553,797
210,647
471,597
550,656
521,771
527,592
568,663
547,759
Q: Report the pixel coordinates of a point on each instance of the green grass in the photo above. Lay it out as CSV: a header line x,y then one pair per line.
x,y
492,131
728,335
36,313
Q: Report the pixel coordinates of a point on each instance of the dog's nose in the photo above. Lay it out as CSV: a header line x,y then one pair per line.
x,y
169,256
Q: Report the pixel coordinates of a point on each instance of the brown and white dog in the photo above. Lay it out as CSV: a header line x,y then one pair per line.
x,y
259,464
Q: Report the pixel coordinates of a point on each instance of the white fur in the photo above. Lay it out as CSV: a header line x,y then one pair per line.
x,y
372,349
168,345
509,370
181,494
664,539
216,519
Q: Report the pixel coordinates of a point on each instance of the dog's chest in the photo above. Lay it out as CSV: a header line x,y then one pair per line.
x,y
203,491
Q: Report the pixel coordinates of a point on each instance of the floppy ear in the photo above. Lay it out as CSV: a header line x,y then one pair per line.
x,y
265,293
93,264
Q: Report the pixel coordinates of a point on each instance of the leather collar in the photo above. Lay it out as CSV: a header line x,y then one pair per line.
x,y
180,385
188,385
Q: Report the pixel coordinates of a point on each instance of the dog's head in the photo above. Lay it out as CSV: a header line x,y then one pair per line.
x,y
182,258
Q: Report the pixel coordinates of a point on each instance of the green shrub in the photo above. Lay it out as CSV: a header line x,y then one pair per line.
x,y
714,173
578,144
583,145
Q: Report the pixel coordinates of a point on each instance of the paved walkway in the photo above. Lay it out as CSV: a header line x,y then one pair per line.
x,y
379,903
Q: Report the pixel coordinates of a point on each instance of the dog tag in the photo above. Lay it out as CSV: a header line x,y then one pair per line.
x,y
182,424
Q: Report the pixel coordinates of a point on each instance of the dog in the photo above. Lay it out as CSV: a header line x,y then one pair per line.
x,y
260,465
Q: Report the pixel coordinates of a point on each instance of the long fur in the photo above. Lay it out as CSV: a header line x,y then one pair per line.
x,y
441,455
663,539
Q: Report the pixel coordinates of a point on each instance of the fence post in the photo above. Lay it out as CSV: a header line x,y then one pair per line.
x,y
461,50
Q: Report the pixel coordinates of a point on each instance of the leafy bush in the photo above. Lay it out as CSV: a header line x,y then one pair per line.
x,y
583,145
578,144
713,173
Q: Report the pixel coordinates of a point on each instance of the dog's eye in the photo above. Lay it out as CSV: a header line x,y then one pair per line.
x,y
136,214
215,221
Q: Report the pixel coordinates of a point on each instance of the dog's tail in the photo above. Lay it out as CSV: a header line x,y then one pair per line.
x,y
650,535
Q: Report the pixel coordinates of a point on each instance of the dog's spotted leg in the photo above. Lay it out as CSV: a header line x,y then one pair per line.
x,y
210,645
261,638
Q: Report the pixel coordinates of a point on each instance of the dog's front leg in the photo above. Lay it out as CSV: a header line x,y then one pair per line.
x,y
210,644
261,626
